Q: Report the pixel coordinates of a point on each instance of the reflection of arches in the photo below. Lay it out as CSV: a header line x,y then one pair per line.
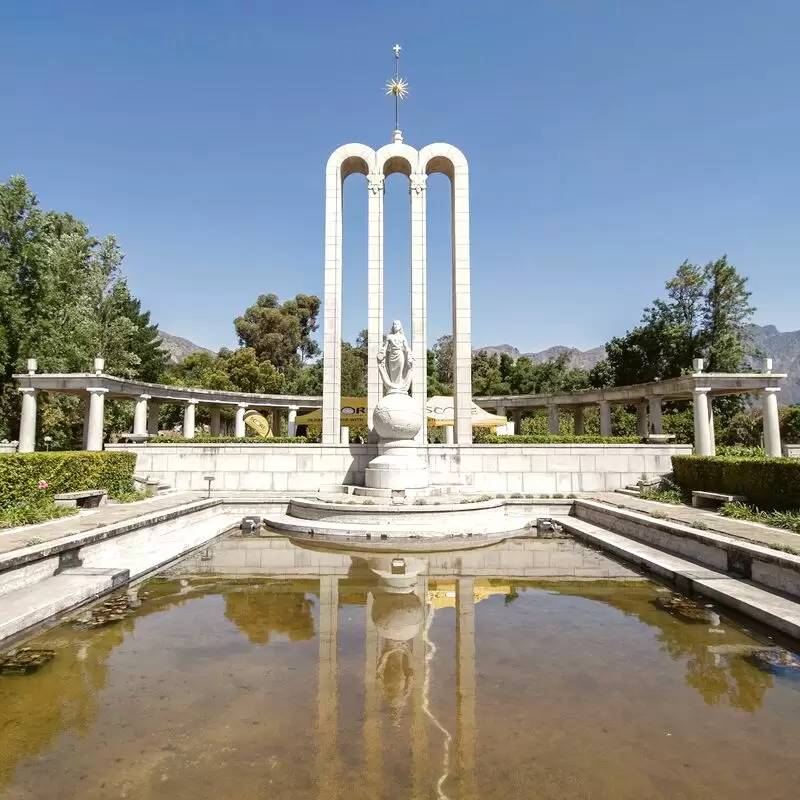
x,y
416,165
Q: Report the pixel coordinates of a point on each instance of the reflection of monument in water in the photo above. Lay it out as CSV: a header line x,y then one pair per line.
x,y
397,666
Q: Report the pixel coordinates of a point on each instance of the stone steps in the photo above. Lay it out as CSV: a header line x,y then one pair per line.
x,y
743,596
37,589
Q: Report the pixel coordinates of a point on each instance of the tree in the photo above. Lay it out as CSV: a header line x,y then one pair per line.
x,y
706,313
486,376
145,342
546,377
354,367
281,333
726,315
443,361
63,300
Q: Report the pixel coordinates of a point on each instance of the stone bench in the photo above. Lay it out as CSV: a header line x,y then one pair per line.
x,y
700,499
91,498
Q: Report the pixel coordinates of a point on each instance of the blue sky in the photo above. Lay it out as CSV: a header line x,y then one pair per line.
x,y
608,141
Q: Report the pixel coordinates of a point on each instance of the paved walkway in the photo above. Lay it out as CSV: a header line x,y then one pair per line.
x,y
91,519
739,529
107,515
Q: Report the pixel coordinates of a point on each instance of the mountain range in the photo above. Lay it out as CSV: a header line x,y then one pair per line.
x,y
782,347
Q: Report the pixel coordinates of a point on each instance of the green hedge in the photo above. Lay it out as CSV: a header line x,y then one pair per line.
x,y
769,483
228,440
20,474
492,439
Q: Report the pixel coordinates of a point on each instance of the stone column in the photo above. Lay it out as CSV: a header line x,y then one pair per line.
x,y
332,305
712,438
516,415
578,420
462,313
292,424
449,435
465,688
375,187
702,433
419,297
772,431
276,422
642,428
188,419
239,430
97,400
655,416
216,425
140,415
605,418
87,407
154,411
27,421
553,420
327,690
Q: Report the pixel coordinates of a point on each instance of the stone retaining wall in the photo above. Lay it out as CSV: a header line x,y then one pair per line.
x,y
791,450
529,469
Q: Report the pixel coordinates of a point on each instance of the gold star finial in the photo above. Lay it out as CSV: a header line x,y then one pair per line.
x,y
398,87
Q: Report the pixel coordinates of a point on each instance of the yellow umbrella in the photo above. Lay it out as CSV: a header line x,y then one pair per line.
x,y
439,409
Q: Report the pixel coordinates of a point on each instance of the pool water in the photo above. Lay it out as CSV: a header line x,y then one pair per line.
x,y
533,668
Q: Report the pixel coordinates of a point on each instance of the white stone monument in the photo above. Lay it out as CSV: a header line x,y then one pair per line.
x,y
416,165
397,419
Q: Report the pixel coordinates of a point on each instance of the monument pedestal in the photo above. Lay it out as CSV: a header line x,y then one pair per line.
x,y
397,467
397,420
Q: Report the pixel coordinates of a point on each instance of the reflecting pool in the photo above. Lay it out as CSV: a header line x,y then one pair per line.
x,y
533,668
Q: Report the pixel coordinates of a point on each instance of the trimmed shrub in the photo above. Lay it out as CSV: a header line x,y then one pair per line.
x,y
770,483
492,439
21,475
167,439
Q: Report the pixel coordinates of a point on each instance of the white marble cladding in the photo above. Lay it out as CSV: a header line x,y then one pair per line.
x,y
531,469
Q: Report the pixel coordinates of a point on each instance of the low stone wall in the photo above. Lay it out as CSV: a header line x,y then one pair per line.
x,y
528,469
791,450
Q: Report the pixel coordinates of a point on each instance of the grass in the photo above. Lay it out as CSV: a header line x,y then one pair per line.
x,y
669,496
130,497
33,513
788,520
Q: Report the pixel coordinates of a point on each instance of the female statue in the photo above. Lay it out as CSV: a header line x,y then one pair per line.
x,y
395,360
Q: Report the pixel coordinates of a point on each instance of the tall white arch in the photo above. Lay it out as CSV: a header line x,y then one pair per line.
x,y
449,160
417,165
344,161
